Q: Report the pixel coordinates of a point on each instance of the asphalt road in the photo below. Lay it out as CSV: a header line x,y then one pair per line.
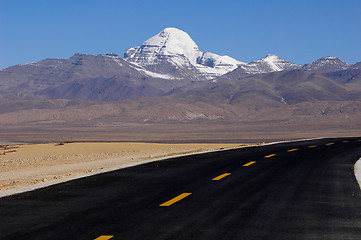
x,y
300,190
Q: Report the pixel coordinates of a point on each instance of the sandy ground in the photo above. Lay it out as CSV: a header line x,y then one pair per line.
x,y
22,165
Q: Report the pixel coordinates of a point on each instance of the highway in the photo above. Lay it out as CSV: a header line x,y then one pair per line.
x,y
297,190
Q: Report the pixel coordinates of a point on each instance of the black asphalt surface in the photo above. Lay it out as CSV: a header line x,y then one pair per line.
x,y
308,193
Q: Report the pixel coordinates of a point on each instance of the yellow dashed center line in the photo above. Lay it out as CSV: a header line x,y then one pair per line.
x,y
221,176
292,150
184,195
104,237
174,200
249,164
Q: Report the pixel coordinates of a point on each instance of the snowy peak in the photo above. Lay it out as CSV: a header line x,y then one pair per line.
x,y
275,63
172,41
169,42
176,48
326,64
271,63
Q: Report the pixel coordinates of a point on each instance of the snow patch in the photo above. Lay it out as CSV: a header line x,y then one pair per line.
x,y
216,71
326,64
150,73
271,63
330,58
156,75
212,60
30,63
115,57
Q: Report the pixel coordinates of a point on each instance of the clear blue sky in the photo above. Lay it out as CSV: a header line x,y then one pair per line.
x,y
300,31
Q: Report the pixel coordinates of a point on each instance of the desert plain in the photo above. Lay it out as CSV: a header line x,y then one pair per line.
x,y
28,164
50,152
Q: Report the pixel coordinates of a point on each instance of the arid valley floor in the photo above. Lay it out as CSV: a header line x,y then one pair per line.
x,y
53,152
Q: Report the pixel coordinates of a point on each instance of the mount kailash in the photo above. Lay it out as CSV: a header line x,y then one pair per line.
x,y
165,64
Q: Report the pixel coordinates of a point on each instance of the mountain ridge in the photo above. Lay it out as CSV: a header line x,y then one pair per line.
x,y
152,70
173,55
179,96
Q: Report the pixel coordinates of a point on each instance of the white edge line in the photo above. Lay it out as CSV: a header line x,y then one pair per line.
x,y
9,192
357,171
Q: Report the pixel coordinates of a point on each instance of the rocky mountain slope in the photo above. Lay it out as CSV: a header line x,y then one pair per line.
x,y
326,64
102,77
271,63
286,96
167,63
169,80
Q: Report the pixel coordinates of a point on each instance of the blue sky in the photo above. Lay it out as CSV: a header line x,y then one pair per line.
x,y
247,30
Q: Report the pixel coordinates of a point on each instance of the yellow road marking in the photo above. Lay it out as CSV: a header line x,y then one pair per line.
x,y
328,144
221,176
292,150
313,146
268,156
176,199
345,141
248,164
104,237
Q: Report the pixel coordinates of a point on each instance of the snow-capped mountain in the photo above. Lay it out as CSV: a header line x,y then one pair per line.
x,y
326,64
168,43
172,51
166,64
271,63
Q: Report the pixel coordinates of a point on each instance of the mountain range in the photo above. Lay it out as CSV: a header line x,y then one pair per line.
x,y
169,79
